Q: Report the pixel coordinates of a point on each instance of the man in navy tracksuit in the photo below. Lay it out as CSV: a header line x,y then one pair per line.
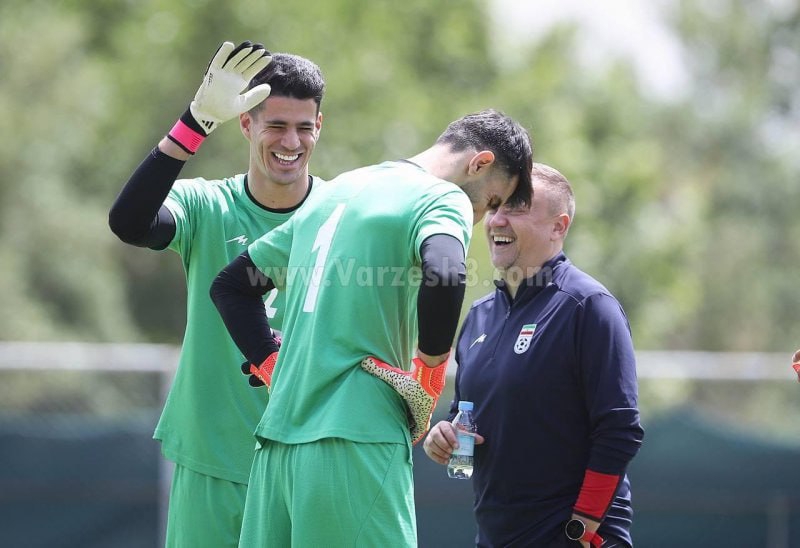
x,y
549,363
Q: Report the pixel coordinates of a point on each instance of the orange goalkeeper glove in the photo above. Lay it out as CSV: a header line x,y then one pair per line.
x,y
261,375
420,388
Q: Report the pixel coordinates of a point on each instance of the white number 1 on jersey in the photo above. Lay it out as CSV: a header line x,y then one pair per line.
x,y
322,244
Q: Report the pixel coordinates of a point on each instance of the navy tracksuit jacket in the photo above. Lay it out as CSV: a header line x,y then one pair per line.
x,y
553,379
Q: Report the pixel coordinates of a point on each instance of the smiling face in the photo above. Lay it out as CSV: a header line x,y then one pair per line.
x,y
282,135
522,239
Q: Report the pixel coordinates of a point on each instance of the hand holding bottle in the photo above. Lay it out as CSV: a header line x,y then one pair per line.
x,y
462,460
442,440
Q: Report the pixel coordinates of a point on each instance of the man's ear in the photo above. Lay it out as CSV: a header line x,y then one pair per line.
x,y
480,162
318,125
560,226
245,122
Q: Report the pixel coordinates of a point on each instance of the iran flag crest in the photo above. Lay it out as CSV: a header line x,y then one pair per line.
x,y
524,339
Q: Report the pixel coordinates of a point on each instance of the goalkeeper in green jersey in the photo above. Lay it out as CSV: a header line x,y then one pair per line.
x,y
373,269
207,424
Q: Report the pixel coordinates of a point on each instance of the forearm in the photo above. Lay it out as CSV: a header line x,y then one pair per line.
x,y
440,296
615,439
170,148
138,216
596,494
238,292
432,360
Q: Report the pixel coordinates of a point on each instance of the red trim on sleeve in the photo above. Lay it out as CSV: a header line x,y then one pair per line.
x,y
596,494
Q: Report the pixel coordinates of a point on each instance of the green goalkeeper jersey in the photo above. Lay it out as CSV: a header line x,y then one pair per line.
x,y
211,411
349,264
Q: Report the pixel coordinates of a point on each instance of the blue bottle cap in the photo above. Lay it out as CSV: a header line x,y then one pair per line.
x,y
464,405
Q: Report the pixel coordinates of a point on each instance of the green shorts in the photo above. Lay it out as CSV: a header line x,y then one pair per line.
x,y
204,511
330,493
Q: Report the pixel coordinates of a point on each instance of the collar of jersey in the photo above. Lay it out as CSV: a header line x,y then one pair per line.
x,y
267,211
532,286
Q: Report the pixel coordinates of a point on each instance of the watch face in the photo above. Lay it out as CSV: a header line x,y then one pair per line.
x,y
575,529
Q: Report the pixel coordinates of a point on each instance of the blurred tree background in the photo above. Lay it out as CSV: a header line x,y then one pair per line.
x,y
686,204
685,200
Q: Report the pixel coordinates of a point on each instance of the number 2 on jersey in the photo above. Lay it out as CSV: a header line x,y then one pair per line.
x,y
269,301
322,244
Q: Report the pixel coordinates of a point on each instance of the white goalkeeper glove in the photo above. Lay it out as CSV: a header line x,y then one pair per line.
x,y
420,388
219,98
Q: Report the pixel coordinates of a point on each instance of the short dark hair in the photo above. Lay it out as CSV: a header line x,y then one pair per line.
x,y
292,76
510,142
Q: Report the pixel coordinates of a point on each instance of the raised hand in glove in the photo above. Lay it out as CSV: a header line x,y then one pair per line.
x,y
420,388
219,98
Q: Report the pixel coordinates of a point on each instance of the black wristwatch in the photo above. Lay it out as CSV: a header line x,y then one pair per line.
x,y
575,529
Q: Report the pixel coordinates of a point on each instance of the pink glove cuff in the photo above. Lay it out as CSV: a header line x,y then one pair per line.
x,y
185,137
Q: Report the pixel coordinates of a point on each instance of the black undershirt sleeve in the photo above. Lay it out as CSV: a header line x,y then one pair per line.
x,y
238,292
441,293
139,216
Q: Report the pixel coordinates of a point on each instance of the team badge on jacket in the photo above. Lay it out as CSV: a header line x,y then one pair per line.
x,y
524,339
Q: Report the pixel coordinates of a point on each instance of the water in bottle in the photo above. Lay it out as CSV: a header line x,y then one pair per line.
x,y
460,465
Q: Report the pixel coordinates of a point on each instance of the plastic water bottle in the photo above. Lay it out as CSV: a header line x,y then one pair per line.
x,y
460,465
